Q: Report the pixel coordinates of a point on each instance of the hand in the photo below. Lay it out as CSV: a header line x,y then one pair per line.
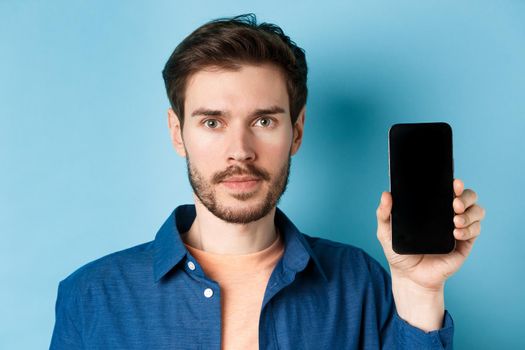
x,y
431,271
418,280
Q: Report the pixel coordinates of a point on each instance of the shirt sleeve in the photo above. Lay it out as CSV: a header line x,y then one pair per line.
x,y
395,332
410,337
66,334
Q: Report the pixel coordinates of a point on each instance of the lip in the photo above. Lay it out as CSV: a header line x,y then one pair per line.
x,y
240,179
241,183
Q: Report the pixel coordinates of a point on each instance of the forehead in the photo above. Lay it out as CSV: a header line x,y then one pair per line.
x,y
251,86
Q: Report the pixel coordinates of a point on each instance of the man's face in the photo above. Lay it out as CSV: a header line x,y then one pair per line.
x,y
237,139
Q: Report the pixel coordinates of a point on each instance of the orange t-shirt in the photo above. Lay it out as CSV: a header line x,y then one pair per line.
x,y
242,279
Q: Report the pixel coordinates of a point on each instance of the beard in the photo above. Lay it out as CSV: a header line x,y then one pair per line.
x,y
205,191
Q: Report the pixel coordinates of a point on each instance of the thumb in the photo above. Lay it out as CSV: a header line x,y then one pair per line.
x,y
384,229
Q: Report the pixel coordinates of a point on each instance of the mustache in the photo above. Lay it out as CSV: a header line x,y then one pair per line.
x,y
249,170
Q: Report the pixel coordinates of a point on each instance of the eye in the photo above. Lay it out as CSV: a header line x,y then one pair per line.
x,y
265,122
212,123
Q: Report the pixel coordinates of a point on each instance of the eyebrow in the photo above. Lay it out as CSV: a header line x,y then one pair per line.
x,y
256,113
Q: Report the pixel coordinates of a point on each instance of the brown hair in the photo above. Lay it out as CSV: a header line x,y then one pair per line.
x,y
229,42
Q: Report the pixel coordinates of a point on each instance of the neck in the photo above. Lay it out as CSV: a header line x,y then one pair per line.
x,y
213,235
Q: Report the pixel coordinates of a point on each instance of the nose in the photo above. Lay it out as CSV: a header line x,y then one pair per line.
x,y
241,145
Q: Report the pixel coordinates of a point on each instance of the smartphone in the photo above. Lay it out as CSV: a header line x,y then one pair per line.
x,y
421,170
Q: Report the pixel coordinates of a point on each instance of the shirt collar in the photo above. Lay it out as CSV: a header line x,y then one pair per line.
x,y
169,250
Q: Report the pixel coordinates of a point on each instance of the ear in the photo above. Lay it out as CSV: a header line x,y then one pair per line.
x,y
298,131
176,133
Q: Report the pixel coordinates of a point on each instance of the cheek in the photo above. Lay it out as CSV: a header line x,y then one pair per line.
x,y
202,153
209,150
277,143
275,149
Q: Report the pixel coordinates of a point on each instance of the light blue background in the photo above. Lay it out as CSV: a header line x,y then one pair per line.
x,y
87,167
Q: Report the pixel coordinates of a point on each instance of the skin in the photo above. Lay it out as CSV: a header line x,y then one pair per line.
x,y
232,141
418,281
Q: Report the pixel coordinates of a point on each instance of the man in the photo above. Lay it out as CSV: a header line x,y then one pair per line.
x,y
232,271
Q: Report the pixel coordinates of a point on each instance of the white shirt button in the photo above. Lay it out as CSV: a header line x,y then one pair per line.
x,y
208,292
191,265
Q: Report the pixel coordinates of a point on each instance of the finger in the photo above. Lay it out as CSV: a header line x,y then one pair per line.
x,y
471,215
458,187
384,231
467,199
468,232
462,251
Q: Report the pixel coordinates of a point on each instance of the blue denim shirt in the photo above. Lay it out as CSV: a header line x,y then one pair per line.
x,y
321,295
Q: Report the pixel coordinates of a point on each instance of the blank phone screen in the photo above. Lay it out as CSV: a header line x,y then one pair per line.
x,y
421,183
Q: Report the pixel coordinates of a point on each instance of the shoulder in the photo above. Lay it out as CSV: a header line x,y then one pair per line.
x,y
333,250
110,269
337,258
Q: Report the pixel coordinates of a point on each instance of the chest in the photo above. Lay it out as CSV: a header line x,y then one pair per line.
x,y
184,314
